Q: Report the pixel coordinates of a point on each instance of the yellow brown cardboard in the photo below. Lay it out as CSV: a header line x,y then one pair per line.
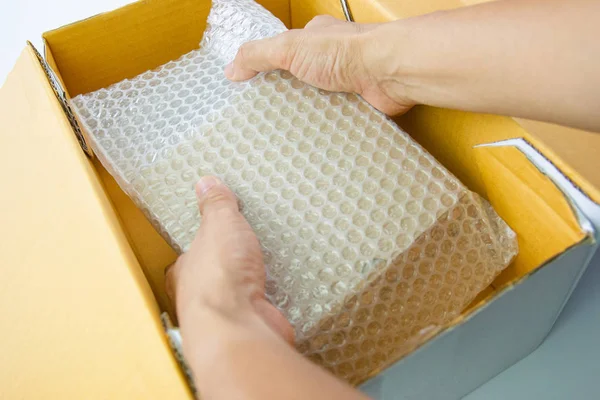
x,y
82,270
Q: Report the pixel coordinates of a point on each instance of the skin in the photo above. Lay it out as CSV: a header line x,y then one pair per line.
x,y
236,343
537,59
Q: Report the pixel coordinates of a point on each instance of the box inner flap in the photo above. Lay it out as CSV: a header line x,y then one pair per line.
x,y
368,11
73,299
578,151
96,52
541,217
152,251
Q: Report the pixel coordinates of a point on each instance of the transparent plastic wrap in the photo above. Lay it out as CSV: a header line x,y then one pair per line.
x,y
367,239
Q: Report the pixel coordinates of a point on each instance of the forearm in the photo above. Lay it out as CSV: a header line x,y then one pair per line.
x,y
243,359
537,59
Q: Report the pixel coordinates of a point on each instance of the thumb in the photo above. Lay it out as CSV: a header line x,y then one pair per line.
x,y
214,196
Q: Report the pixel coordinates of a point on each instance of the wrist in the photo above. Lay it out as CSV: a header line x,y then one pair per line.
x,y
208,334
386,51
410,62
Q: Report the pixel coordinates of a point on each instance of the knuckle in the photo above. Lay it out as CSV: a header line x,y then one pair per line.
x,y
316,19
217,200
325,18
320,20
243,53
286,49
247,52
217,195
287,39
246,259
226,214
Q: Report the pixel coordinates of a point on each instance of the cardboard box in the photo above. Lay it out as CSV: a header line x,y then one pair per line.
x,y
82,270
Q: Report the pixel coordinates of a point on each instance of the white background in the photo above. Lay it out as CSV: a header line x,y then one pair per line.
x,y
566,366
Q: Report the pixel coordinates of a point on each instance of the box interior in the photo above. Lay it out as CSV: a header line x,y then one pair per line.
x,y
110,47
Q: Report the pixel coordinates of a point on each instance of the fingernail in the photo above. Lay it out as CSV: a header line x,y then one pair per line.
x,y
206,183
229,71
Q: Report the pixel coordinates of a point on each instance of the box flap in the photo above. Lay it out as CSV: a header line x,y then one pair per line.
x,y
122,43
578,151
75,306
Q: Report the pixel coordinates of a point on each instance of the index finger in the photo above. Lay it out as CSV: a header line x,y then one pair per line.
x,y
262,56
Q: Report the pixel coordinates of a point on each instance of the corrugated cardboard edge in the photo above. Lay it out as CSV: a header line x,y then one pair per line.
x,y
174,338
587,213
172,334
62,97
585,209
36,124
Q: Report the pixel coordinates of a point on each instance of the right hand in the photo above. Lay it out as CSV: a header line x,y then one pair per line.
x,y
328,53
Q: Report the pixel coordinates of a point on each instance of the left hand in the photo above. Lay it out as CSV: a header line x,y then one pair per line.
x,y
223,272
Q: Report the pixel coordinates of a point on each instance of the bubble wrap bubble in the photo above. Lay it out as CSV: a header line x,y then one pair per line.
x,y
367,239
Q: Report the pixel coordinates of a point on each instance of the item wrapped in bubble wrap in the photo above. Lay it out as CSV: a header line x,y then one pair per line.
x,y
367,239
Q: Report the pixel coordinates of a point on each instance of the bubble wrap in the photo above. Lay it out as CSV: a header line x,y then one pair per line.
x,y
367,239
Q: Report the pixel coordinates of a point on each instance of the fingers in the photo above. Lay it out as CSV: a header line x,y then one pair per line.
x,y
272,53
223,225
254,57
223,270
262,56
214,196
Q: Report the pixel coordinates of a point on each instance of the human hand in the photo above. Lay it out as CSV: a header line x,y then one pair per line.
x,y
232,336
223,272
330,54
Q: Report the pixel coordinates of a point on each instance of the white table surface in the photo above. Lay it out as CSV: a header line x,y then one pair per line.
x,y
565,366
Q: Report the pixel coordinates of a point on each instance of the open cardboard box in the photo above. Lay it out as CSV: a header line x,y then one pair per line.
x,y
81,269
